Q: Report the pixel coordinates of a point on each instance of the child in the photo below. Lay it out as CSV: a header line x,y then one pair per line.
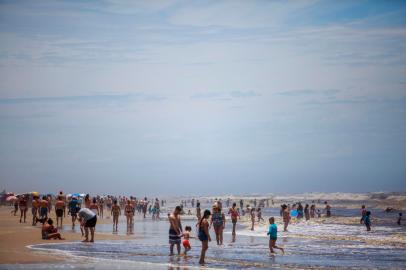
x,y
367,220
115,212
273,236
186,237
399,219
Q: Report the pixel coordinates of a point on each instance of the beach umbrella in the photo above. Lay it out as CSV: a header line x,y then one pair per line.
x,y
75,195
11,198
35,193
68,195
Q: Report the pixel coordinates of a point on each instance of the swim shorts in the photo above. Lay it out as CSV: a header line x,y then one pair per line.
x,y
186,243
59,212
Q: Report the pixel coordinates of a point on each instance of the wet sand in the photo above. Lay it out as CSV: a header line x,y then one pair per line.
x,y
15,237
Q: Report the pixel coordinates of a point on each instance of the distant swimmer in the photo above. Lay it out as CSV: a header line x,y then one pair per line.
x,y
204,235
367,220
399,219
273,236
363,214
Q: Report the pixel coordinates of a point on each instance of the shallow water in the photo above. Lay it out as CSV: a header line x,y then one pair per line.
x,y
308,245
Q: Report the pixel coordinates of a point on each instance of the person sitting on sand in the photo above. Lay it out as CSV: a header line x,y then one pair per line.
x,y
175,230
204,234
186,237
399,219
115,212
49,232
273,236
89,219
367,220
23,207
59,209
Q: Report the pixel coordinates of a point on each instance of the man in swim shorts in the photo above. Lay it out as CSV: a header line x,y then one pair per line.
x,y
59,210
89,219
175,230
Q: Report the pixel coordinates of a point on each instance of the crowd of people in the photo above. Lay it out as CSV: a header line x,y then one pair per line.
x,y
85,210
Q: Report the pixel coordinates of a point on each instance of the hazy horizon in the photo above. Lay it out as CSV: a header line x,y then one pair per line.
x,y
214,97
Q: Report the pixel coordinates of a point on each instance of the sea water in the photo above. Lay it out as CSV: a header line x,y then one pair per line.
x,y
339,242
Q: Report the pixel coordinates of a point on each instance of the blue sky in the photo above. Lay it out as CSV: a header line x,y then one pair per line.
x,y
202,97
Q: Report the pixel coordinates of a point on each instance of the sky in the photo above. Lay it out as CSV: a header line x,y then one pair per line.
x,y
202,97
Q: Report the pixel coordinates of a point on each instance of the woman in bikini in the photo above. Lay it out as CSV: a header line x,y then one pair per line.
x,y
234,216
115,212
23,207
204,235
94,207
129,213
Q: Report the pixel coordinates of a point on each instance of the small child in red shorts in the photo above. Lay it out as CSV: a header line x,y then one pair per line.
x,y
186,237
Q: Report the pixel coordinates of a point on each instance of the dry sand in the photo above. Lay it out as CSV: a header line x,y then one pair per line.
x,y
15,237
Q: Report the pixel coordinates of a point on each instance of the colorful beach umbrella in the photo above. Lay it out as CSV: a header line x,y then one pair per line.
x,y
35,193
11,198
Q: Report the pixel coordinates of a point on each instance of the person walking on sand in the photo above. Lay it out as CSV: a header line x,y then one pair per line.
x,y
286,217
22,203
204,235
73,210
34,210
44,207
273,236
175,230
89,219
234,216
115,212
59,209
218,220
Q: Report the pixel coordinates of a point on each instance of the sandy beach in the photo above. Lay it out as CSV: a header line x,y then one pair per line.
x,y
15,237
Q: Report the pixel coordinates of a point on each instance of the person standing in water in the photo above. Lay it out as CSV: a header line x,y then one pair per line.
x,y
59,209
273,236
175,230
198,210
363,214
312,210
307,212
129,213
252,213
115,212
286,217
328,209
234,216
367,220
204,235
218,220
399,222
